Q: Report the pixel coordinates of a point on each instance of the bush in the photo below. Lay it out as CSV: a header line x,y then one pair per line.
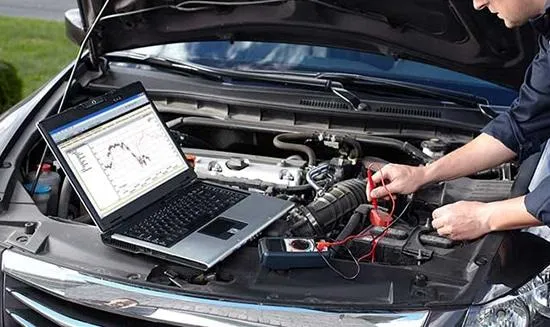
x,y
10,86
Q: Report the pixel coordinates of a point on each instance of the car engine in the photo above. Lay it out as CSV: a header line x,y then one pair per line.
x,y
324,173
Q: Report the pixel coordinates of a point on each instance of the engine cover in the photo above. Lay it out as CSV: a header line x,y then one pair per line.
x,y
247,169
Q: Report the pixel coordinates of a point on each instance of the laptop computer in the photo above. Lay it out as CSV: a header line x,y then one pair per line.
x,y
138,188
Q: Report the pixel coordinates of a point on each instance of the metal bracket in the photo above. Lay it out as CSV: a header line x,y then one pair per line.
x,y
32,242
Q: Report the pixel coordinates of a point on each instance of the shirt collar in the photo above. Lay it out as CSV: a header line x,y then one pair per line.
x,y
541,23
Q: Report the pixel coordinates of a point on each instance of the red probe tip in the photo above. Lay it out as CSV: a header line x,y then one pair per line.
x,y
374,201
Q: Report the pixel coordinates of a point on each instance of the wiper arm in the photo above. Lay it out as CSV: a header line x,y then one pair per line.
x,y
156,61
467,99
352,100
334,86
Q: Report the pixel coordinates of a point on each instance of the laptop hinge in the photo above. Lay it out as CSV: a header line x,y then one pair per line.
x,y
115,224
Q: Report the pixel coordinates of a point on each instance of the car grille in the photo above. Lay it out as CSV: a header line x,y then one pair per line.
x,y
25,305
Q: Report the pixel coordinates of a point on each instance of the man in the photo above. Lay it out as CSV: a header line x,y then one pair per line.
x,y
520,132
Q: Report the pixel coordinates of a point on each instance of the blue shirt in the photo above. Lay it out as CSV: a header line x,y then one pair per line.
x,y
525,128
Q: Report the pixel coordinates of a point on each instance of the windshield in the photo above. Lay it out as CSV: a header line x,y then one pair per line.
x,y
283,57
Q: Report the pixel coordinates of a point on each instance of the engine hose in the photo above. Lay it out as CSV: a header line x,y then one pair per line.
x,y
350,226
397,144
280,141
339,201
361,212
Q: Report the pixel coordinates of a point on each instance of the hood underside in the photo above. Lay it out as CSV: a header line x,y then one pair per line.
x,y
449,34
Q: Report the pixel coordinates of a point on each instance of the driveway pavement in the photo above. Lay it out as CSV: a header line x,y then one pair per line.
x,y
45,9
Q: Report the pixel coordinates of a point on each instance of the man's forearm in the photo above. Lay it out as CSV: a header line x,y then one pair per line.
x,y
481,153
508,214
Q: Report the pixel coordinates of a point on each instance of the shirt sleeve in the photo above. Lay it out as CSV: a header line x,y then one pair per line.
x,y
526,125
537,202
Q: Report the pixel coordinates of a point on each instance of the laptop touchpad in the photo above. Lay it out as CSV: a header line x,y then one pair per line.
x,y
223,228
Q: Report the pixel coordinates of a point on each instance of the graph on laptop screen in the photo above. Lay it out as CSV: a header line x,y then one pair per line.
x,y
119,153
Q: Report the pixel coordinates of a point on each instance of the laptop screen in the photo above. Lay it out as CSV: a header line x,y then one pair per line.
x,y
119,153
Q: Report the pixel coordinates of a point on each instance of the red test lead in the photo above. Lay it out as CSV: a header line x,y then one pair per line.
x,y
374,201
377,217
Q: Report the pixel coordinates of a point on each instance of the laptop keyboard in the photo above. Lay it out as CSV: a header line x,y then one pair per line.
x,y
183,213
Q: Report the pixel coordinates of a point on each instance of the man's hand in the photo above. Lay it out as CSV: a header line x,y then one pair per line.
x,y
466,220
398,178
463,220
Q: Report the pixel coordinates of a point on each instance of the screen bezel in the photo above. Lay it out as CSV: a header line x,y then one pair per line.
x,y
89,107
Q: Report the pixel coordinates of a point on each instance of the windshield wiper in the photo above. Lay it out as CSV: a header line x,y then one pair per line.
x,y
328,81
467,99
228,75
156,61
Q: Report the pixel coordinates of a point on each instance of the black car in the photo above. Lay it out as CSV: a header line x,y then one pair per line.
x,y
304,97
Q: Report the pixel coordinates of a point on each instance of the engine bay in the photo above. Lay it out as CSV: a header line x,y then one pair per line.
x,y
325,174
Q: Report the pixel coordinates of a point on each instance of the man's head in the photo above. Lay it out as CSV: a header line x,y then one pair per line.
x,y
512,12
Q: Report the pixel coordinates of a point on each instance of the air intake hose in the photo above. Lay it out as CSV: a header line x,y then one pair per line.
x,y
316,218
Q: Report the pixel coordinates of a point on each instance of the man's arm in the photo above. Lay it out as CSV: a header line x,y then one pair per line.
x,y
524,127
509,214
481,153
519,131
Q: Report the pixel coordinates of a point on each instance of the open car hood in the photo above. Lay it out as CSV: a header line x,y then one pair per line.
x,y
449,34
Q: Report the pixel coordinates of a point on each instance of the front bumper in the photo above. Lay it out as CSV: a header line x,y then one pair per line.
x,y
36,290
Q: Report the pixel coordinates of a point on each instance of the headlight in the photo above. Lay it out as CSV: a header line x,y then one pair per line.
x,y
509,311
537,294
531,306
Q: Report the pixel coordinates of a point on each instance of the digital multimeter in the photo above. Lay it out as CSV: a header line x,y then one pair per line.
x,y
285,253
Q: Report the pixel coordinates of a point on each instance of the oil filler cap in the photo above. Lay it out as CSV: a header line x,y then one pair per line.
x,y
237,163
